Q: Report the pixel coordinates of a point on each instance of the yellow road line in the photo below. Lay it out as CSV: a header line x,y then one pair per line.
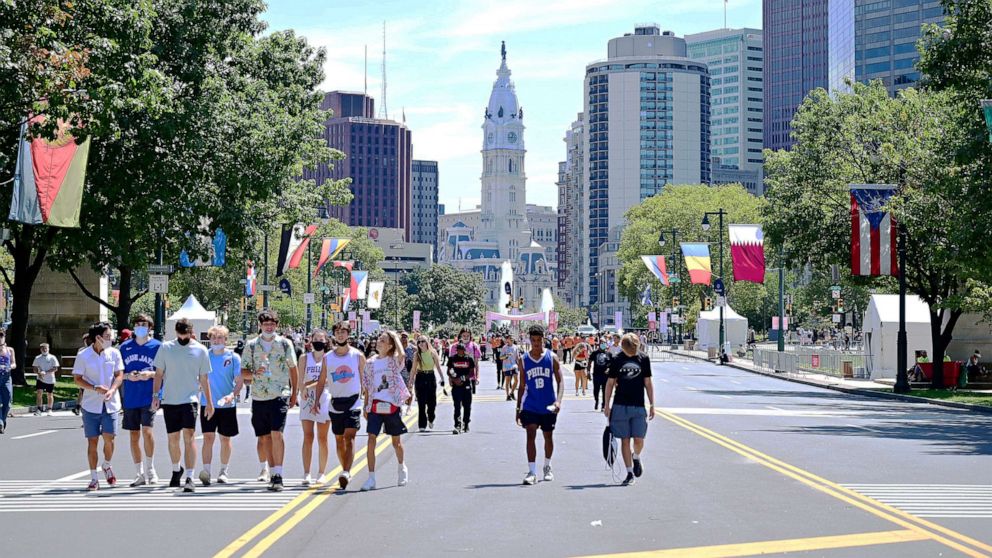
x,y
899,517
318,496
777,546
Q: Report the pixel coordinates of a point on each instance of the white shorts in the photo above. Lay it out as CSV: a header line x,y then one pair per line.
x,y
308,410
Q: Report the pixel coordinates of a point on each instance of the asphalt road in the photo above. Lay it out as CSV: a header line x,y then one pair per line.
x,y
736,464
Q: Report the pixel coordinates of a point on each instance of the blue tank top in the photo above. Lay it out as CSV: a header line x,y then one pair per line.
x,y
4,362
540,390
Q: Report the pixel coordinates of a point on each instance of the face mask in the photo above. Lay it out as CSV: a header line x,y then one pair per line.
x,y
183,342
602,346
341,343
319,346
141,331
217,347
268,336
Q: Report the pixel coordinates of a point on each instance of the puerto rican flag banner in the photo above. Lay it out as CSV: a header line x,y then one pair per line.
x,y
250,279
873,230
359,284
656,265
747,251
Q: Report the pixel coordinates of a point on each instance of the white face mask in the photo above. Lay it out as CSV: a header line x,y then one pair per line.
x,y
218,347
268,336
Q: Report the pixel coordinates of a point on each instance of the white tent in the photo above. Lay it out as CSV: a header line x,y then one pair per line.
x,y
708,328
193,311
881,328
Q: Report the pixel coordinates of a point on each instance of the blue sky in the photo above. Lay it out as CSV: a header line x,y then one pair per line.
x,y
442,57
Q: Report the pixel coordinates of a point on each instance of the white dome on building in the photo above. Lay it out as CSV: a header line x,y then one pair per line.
x,y
503,104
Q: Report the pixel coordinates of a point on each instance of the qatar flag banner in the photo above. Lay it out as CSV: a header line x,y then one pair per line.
x,y
747,250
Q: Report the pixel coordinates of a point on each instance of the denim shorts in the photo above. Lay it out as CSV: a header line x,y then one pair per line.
x,y
95,424
628,421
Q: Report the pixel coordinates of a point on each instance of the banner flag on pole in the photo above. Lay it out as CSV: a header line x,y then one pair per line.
x,y
49,178
345,301
359,284
652,321
873,230
285,287
416,320
618,320
646,297
329,249
747,252
697,261
250,279
376,289
656,265
218,249
345,264
296,247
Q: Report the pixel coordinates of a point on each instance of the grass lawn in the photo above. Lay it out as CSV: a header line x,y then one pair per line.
x,y
984,399
65,390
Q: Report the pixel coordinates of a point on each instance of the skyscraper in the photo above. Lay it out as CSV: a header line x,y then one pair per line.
x,y
647,112
425,207
796,62
573,252
379,162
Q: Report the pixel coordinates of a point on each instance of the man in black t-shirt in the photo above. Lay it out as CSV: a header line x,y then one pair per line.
x,y
462,373
601,359
630,376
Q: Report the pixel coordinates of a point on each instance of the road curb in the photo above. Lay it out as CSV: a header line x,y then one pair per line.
x,y
853,391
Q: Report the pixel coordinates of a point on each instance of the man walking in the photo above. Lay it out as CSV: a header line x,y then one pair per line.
x,y
269,361
509,356
461,372
341,373
139,377
182,367
225,385
539,401
45,366
97,371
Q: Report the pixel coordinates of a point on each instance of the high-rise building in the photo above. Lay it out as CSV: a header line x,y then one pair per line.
x,y
378,161
573,286
425,207
796,62
736,65
872,40
647,110
500,231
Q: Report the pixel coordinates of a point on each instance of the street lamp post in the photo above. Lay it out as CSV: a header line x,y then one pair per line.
x,y
987,108
677,288
706,226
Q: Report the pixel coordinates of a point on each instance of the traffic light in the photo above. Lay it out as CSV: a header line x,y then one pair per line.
x,y
788,308
840,306
675,302
708,304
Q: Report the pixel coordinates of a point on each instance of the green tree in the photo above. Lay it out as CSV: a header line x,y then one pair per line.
x,y
569,318
445,294
868,137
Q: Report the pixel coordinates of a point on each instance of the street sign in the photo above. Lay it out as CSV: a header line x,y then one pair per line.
x,y
158,284
721,301
835,291
265,288
837,318
156,268
718,287
308,298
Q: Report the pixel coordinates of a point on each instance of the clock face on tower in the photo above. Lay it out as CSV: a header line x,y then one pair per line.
x,y
511,137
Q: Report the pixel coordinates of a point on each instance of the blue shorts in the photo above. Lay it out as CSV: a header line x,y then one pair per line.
x,y
95,424
629,422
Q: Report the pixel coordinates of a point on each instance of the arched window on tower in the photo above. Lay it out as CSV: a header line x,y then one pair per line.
x,y
511,166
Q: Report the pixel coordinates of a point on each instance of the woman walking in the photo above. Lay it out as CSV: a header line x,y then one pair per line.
x,y
386,391
581,367
426,364
314,406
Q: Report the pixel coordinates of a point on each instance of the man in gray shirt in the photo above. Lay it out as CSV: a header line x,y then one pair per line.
x,y
181,369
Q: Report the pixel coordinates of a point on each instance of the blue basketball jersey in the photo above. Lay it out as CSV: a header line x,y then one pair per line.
x,y
539,392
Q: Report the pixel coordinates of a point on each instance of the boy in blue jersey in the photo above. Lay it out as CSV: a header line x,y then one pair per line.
x,y
539,399
139,375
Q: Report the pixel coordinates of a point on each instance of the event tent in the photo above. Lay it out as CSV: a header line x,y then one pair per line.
x,y
192,310
708,328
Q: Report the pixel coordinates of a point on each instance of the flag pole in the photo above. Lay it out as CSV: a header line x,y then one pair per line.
x,y
902,377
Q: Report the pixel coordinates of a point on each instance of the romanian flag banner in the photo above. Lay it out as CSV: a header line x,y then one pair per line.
x,y
747,251
359,284
49,178
697,261
656,265
293,246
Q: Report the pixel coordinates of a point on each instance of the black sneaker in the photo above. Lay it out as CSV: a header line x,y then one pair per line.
x,y
177,477
465,429
629,480
75,411
457,430
276,484
189,486
638,468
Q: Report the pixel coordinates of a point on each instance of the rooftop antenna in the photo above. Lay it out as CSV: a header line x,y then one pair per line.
x,y
385,111
366,70
725,13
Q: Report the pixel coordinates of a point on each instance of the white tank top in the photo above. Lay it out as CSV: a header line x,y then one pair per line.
x,y
343,379
313,369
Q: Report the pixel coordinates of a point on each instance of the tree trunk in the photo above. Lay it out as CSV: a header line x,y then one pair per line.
x,y
25,273
940,338
123,309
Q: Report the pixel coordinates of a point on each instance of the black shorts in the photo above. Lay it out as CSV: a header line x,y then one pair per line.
x,y
545,420
45,387
393,423
180,417
269,416
343,421
224,421
579,365
135,418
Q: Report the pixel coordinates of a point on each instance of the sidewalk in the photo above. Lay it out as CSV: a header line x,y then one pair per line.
x,y
852,386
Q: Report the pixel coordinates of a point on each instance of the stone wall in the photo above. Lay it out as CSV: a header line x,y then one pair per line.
x,y
61,313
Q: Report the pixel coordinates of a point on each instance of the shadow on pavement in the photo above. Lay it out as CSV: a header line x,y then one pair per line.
x,y
962,438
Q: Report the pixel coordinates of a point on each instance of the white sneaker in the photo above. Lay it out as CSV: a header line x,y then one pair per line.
x,y
404,475
152,476
548,475
369,485
343,479
531,478
222,477
263,475
49,413
307,480
322,479
138,481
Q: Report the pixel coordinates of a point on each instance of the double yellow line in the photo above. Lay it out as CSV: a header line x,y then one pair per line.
x,y
924,528
312,497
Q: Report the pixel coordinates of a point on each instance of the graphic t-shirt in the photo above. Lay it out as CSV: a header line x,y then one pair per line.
x,y
461,370
342,376
629,373
509,354
48,364
224,370
601,360
138,358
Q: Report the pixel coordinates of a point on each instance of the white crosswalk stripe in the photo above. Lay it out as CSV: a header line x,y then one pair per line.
x,y
18,496
973,501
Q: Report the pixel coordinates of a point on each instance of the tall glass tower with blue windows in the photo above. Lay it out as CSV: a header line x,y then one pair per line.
x,y
647,110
